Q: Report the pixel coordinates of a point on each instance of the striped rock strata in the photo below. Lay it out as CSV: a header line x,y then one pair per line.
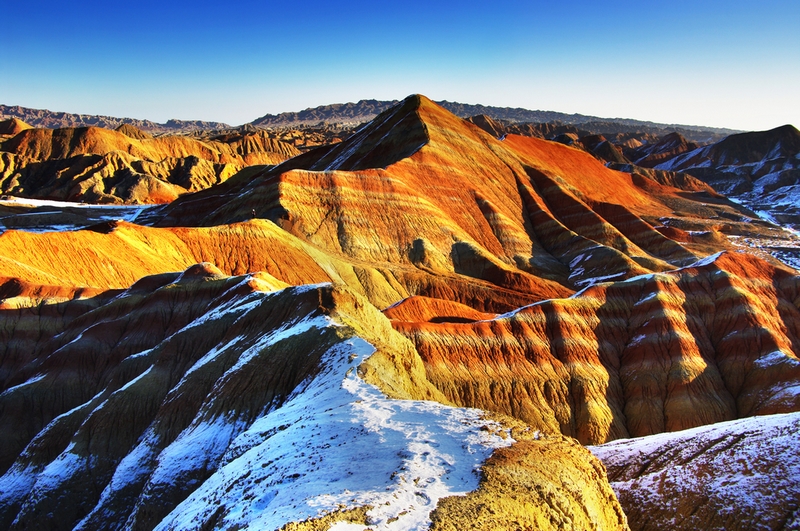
x,y
421,188
662,352
204,401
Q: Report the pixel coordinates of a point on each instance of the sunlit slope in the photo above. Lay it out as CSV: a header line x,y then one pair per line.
x,y
48,144
120,253
125,166
421,187
663,352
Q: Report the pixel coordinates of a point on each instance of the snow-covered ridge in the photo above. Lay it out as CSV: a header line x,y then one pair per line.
x,y
245,458
339,443
55,215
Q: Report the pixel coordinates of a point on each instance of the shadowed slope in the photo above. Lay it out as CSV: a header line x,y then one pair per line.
x,y
167,350
760,169
742,149
667,147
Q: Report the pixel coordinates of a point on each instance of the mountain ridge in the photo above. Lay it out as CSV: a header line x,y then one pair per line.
x,y
351,112
59,119
368,109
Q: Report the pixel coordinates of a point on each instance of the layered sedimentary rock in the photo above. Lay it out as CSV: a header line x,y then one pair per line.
x,y
422,188
455,214
459,216
519,276
121,253
730,476
126,165
197,400
663,352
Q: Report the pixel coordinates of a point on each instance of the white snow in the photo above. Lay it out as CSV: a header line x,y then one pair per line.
x,y
133,468
588,282
204,441
649,297
337,443
58,470
577,260
708,260
127,213
646,276
280,334
637,339
26,383
774,358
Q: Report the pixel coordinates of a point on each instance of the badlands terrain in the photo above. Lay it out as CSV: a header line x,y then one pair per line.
x,y
418,322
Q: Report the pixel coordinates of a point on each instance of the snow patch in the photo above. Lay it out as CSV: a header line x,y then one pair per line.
x,y
29,381
775,357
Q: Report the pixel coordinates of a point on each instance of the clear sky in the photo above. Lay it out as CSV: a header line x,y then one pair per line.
x,y
726,63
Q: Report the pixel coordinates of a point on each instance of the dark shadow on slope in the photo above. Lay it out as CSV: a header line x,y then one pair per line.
x,y
134,365
393,135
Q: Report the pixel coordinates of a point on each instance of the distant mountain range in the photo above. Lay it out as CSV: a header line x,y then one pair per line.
x,y
56,120
360,112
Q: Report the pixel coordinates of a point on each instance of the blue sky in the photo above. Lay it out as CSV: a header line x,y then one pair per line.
x,y
727,64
